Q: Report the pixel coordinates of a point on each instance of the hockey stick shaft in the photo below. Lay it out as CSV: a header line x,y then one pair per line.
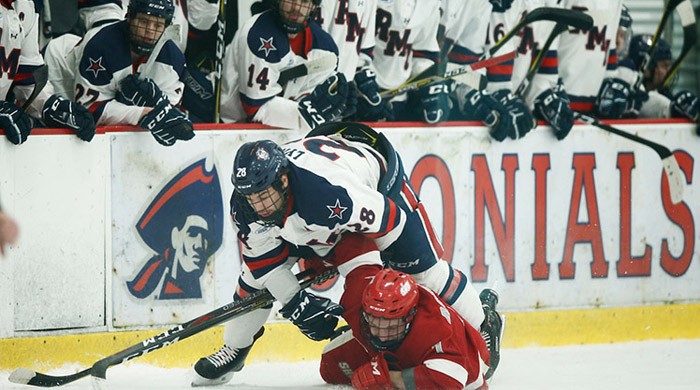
x,y
219,59
41,77
321,64
172,32
690,36
180,332
670,164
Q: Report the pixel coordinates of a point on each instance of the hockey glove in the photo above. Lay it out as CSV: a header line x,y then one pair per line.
x,y
135,91
553,107
685,105
315,316
517,121
61,112
501,6
15,122
435,101
374,374
167,124
370,106
612,99
327,102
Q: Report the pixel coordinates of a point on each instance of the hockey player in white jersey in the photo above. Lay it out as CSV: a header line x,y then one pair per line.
x,y
102,73
352,24
270,43
19,45
340,199
406,46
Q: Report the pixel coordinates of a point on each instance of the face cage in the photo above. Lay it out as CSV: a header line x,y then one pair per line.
x,y
138,33
273,219
398,328
292,27
624,50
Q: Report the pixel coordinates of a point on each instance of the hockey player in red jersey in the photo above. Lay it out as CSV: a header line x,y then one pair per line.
x,y
402,336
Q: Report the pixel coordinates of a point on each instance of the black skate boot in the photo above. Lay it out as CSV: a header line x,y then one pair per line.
x,y
219,367
492,328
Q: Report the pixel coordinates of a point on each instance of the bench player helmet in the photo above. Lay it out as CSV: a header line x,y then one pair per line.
x,y
293,15
640,45
258,167
624,34
389,304
144,32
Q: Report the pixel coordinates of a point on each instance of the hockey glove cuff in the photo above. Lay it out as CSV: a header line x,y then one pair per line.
x,y
61,112
15,123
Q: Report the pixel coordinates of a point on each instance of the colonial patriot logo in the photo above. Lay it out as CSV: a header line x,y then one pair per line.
x,y
183,225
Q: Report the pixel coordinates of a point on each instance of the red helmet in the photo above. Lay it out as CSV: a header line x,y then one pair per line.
x,y
388,307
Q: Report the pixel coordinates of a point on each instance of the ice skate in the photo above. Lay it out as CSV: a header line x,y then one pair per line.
x,y
219,367
492,328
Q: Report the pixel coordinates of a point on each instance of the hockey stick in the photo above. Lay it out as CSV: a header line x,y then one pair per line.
x,y
172,32
317,65
41,77
673,171
219,59
690,36
254,301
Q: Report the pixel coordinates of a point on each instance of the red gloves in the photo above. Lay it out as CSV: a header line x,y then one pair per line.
x,y
375,374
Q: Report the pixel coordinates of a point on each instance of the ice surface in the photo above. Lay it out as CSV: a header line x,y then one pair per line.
x,y
668,365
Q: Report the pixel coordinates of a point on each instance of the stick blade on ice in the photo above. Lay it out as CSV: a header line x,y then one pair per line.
x,y
676,185
21,376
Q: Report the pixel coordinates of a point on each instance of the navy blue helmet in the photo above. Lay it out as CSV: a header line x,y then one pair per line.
x,y
142,34
257,166
640,45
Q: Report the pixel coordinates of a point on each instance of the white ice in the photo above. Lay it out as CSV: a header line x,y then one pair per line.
x,y
667,365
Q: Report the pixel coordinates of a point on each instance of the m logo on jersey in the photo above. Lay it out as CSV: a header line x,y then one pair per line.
x,y
183,225
336,210
395,43
95,66
266,46
9,63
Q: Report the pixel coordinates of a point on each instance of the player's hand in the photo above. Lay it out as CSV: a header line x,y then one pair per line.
x,y
370,106
516,121
142,92
685,105
315,316
327,102
435,101
612,99
376,374
167,124
61,112
553,107
15,122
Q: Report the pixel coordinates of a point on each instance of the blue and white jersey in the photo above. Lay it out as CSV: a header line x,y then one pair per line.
x,y
96,65
332,192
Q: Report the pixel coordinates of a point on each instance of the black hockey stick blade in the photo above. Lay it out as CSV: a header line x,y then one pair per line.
x,y
180,332
690,36
41,77
673,171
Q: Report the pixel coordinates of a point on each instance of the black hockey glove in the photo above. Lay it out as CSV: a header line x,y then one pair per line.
x,y
518,121
685,105
135,91
327,102
553,107
613,98
167,124
61,112
315,316
501,6
370,106
435,101
15,122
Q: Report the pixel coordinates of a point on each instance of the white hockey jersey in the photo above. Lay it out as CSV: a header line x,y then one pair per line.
x,y
405,39
584,56
19,48
351,24
499,76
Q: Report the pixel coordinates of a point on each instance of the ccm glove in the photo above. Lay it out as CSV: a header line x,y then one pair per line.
x,y
370,106
61,112
435,101
553,107
374,375
315,316
685,105
167,124
135,91
15,122
327,102
612,99
517,121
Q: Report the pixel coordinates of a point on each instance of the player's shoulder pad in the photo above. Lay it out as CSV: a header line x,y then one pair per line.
x,y
266,40
322,40
318,201
171,55
106,53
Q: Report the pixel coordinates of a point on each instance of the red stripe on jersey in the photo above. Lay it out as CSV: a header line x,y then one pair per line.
x,y
550,62
502,69
428,227
250,110
262,263
390,222
241,292
582,106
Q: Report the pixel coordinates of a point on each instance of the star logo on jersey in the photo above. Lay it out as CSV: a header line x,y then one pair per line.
x,y
336,210
267,46
95,66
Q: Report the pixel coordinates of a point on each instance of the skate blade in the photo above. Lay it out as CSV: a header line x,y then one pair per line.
x,y
199,381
